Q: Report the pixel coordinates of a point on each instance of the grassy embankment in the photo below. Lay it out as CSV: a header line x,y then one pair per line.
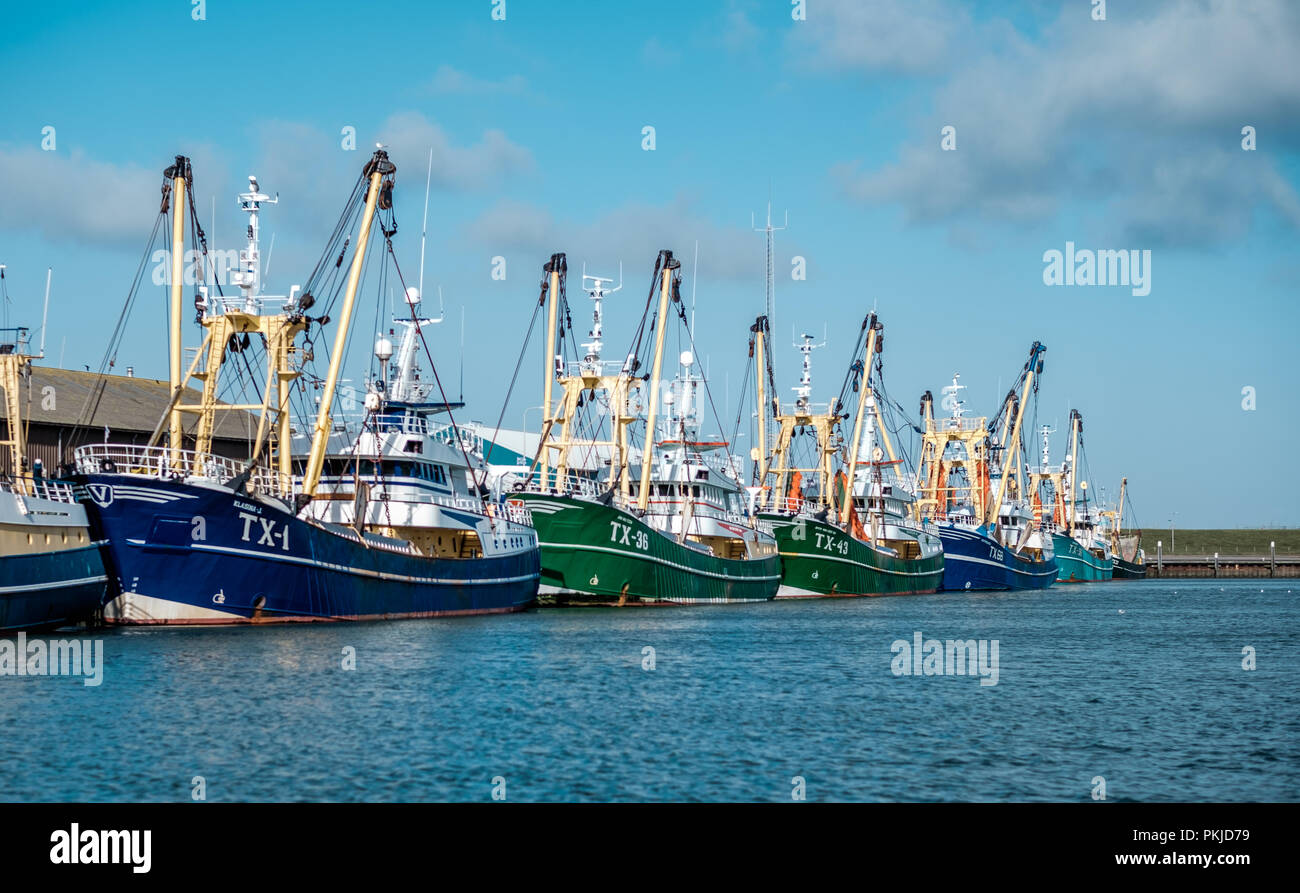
x,y
1225,542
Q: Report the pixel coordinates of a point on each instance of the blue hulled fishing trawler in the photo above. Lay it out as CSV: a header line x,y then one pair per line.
x,y
971,485
198,538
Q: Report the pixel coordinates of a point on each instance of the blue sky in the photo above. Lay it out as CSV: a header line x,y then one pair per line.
x,y
1115,134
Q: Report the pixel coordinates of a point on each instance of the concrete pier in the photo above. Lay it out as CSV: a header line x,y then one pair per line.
x,y
1227,566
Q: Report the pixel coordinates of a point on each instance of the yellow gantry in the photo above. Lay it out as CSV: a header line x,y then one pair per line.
x,y
14,444
647,453
855,443
376,169
1076,422
550,369
935,492
180,173
558,433
1010,450
777,462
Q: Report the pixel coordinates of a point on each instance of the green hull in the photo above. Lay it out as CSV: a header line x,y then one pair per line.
x,y
600,555
819,560
1077,564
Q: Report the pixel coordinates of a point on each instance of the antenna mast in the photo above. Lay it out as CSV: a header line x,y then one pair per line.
x,y
695,279
768,230
45,316
424,228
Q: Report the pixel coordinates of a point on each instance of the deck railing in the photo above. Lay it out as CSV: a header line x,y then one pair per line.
x,y
967,423
600,367
41,488
517,512
571,485
164,463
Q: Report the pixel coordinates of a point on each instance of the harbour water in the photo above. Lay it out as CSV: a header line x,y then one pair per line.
x,y
1140,683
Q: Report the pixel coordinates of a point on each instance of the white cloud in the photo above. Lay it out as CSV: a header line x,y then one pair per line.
x,y
876,35
482,165
1141,114
452,81
656,52
739,33
69,196
632,233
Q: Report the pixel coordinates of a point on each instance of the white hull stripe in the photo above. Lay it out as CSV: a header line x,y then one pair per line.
x,y
665,562
147,494
57,584
546,508
651,600
1097,567
880,570
948,557
356,571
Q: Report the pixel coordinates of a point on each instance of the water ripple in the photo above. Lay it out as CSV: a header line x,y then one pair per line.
x,y
742,702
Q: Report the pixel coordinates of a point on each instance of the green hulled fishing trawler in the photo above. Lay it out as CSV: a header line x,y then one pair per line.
x,y
842,513
664,524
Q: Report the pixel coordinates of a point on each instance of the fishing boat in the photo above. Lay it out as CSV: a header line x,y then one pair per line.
x,y
842,512
1126,549
51,571
1083,551
199,538
970,486
666,524
404,474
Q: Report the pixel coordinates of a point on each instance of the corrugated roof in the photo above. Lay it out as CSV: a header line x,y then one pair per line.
x,y
127,403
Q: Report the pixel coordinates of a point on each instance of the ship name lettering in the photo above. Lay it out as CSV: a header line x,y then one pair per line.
x,y
828,542
621,534
268,534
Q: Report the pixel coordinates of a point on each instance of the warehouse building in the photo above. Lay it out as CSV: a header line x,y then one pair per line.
x,y
66,409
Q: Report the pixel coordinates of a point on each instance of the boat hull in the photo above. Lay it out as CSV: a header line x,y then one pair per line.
x,y
1077,564
595,554
822,561
44,590
974,561
1128,570
185,553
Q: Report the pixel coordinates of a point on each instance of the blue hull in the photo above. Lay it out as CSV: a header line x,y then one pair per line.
x,y
972,560
44,590
186,554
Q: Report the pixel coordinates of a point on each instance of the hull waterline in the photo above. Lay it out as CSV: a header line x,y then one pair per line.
x,y
594,554
822,561
1077,564
975,561
1128,570
195,554
45,590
